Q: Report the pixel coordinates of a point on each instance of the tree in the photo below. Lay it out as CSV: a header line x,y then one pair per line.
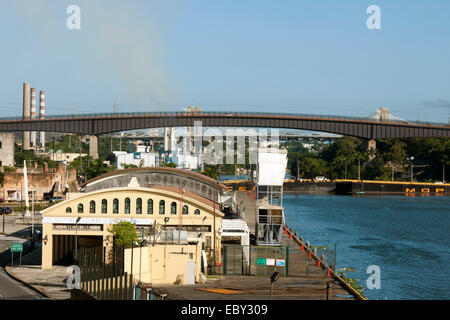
x,y
124,233
168,164
90,168
311,166
127,166
210,171
20,156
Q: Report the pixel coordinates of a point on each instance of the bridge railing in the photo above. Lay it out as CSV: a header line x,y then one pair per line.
x,y
217,113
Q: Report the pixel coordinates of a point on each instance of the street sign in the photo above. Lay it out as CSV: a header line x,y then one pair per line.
x,y
280,262
16,247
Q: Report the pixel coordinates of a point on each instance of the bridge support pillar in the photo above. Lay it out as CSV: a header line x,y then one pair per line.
x,y
371,145
93,146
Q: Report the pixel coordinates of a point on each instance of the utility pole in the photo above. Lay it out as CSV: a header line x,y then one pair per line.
x,y
443,172
359,170
410,159
345,169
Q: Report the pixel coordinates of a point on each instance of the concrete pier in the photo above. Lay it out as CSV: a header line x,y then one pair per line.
x,y
93,146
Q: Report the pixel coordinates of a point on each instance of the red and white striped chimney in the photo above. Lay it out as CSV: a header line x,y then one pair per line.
x,y
33,116
41,117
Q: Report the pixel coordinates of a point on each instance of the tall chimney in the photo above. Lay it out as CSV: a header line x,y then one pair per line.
x,y
41,117
33,116
26,115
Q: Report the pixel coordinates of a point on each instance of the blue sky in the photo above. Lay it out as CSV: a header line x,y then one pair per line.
x,y
271,56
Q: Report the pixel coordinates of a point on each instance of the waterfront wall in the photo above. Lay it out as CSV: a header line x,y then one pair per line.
x,y
390,187
351,187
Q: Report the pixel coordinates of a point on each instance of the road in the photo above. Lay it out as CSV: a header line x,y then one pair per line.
x,y
9,288
12,290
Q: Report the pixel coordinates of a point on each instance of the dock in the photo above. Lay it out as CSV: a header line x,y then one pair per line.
x,y
306,280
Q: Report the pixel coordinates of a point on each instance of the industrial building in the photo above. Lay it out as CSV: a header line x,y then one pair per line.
x,y
180,213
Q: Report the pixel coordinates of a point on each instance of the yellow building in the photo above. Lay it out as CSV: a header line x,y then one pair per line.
x,y
159,212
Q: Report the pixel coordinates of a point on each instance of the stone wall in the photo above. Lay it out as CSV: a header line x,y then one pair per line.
x,y
45,182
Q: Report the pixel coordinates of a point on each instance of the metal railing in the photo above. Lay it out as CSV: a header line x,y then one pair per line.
x,y
321,262
221,113
108,280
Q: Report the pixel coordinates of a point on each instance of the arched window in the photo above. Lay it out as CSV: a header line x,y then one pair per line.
x,y
162,207
68,210
173,208
196,211
150,206
80,208
185,209
92,206
127,205
138,206
116,205
104,206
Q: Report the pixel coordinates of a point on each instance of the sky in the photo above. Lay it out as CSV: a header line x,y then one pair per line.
x,y
315,57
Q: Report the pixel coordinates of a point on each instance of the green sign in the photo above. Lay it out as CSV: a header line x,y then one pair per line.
x,y
16,247
261,261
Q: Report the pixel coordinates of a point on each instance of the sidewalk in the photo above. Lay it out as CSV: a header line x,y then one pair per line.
x,y
51,282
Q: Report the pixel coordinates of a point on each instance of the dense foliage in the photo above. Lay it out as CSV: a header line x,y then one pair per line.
x,y
345,157
124,233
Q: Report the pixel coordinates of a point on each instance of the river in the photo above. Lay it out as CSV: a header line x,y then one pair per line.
x,y
407,237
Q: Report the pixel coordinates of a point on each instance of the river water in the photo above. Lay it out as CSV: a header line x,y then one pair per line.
x,y
407,237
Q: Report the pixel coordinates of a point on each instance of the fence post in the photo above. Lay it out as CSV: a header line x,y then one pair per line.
x,y
137,293
323,259
130,289
116,288
329,291
120,287
286,268
225,260
125,286
102,289
307,267
111,292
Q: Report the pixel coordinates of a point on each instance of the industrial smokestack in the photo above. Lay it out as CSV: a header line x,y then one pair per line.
x,y
41,117
26,115
33,116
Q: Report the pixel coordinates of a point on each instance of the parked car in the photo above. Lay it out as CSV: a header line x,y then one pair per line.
x,y
56,199
5,210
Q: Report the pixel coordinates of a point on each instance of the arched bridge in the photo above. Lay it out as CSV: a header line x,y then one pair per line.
x,y
95,124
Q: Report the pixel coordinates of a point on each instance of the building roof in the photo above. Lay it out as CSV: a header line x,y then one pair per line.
x,y
163,190
190,174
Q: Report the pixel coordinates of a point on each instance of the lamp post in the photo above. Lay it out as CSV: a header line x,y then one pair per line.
x,y
32,219
76,239
273,278
214,222
166,219
410,159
